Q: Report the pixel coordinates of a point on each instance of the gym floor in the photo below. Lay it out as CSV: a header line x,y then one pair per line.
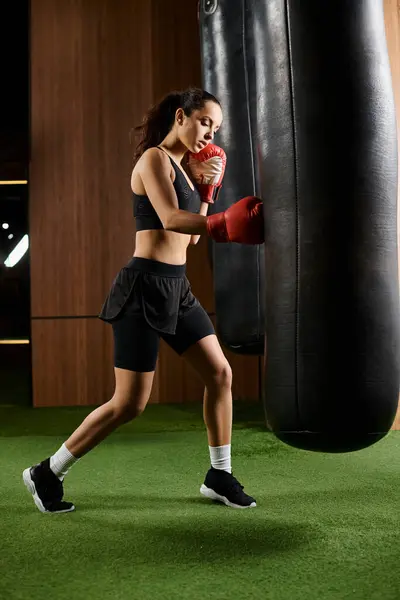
x,y
326,526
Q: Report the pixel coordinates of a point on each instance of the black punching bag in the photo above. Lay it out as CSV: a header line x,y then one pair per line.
x,y
238,270
326,150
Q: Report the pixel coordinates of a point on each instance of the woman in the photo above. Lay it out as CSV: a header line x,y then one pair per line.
x,y
151,298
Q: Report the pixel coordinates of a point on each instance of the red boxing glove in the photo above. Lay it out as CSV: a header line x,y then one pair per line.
x,y
208,168
242,222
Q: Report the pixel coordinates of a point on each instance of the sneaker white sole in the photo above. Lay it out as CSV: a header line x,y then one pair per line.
x,y
26,476
208,493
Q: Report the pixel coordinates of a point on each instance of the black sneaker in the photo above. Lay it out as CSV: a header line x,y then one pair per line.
x,y
222,486
46,488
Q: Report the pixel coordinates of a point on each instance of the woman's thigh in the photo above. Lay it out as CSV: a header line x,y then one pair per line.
x,y
195,340
136,347
208,360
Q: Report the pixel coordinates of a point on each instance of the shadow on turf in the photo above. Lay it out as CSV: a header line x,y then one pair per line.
x,y
182,539
139,502
112,502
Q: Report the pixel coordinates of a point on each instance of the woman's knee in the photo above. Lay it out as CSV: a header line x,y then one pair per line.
x,y
127,408
221,377
132,392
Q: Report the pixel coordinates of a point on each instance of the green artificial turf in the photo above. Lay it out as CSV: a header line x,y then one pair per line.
x,y
326,526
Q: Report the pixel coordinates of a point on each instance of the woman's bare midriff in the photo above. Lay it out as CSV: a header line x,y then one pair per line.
x,y
163,246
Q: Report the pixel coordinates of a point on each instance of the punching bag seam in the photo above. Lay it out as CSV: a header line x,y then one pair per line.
x,y
246,80
293,111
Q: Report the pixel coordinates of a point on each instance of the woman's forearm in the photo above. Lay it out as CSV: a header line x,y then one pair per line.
x,y
203,208
203,211
182,221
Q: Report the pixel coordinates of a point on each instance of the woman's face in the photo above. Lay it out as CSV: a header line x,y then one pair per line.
x,y
198,130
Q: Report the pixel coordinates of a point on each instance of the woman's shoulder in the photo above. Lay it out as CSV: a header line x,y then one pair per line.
x,y
153,162
154,155
153,159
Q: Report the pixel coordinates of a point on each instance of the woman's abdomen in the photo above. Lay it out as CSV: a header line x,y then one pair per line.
x,y
164,246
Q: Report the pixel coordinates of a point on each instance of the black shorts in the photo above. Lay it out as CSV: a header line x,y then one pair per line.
x,y
150,300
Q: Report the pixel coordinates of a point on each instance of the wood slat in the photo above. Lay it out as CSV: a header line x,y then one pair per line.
x,y
90,81
71,362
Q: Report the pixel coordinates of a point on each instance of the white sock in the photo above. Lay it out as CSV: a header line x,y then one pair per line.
x,y
61,461
221,457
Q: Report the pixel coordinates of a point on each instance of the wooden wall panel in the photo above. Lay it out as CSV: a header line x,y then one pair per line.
x,y
72,362
96,66
392,21
90,80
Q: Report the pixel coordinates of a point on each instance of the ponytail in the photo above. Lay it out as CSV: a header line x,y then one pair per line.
x,y
160,118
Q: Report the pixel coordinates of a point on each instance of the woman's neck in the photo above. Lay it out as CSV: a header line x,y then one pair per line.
x,y
174,147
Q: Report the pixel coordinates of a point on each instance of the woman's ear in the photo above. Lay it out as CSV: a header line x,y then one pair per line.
x,y
179,116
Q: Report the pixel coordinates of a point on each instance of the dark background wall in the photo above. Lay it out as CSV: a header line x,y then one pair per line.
x,y
15,360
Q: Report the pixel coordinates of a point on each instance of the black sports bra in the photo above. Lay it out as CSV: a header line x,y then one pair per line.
x,y
144,212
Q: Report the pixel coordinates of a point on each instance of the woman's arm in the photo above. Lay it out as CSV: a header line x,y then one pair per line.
x,y
243,222
155,172
203,211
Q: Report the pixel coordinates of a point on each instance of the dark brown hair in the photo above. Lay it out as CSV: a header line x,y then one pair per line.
x,y
159,120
